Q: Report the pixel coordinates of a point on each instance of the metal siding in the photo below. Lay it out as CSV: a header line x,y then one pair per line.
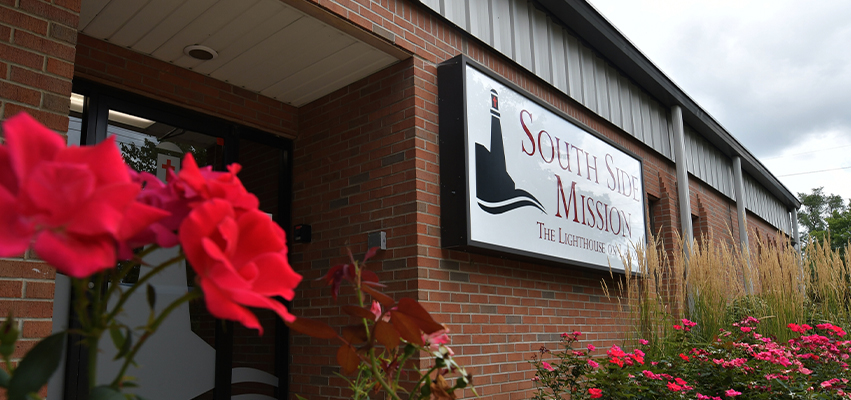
x,y
480,20
433,4
637,120
766,206
501,26
626,104
574,68
664,133
690,151
456,11
656,128
601,87
588,80
613,85
541,43
559,62
522,34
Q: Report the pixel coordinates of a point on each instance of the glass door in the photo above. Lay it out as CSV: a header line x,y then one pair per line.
x,y
193,355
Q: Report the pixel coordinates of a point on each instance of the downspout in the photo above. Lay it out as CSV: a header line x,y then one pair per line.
x,y
795,235
741,211
683,195
682,177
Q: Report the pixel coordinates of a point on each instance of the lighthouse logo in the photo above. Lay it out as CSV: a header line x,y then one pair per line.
x,y
495,189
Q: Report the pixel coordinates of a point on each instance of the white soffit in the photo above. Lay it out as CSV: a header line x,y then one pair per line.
x,y
264,46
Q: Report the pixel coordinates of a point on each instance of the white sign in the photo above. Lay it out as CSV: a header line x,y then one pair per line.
x,y
540,185
165,163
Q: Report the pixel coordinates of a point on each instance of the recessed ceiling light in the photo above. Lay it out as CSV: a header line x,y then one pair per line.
x,y
199,52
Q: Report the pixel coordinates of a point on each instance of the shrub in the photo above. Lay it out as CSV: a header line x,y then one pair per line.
x,y
740,363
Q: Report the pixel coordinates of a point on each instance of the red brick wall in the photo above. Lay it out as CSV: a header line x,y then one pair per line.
x,y
37,46
355,173
37,40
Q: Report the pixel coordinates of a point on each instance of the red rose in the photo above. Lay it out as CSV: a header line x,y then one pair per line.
x,y
72,204
240,259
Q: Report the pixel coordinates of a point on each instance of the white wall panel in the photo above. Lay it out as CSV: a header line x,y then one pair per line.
x,y
502,29
574,68
522,33
456,11
601,87
541,44
479,15
613,86
557,46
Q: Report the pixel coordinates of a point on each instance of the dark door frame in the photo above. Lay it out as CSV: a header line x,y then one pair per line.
x,y
99,100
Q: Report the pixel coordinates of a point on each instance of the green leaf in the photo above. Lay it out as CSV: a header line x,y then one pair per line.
x,y
152,296
105,393
116,335
4,378
125,347
37,366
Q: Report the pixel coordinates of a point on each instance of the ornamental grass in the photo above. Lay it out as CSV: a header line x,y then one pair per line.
x,y
715,284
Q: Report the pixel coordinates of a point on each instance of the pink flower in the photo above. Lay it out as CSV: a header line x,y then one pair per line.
x,y
73,205
547,366
746,329
376,310
591,347
678,327
674,387
732,393
240,259
593,364
595,393
643,342
434,340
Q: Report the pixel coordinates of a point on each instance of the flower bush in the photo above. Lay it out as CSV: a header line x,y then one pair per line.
x,y
384,339
740,363
84,211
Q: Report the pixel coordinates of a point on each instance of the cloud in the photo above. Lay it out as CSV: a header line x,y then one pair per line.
x,y
774,73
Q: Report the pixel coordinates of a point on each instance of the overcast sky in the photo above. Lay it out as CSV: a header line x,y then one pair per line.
x,y
776,74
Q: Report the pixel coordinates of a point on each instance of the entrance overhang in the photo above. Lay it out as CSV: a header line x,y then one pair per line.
x,y
294,51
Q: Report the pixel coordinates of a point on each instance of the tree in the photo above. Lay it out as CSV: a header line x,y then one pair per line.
x,y
144,158
825,216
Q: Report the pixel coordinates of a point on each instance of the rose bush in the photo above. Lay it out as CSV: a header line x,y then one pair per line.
x,y
82,210
740,363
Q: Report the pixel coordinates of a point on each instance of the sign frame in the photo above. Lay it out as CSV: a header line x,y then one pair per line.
x,y
455,167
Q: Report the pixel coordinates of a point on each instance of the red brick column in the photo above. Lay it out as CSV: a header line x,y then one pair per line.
x,y
37,49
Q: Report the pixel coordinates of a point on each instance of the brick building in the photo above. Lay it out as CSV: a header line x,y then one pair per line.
x,y
336,110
